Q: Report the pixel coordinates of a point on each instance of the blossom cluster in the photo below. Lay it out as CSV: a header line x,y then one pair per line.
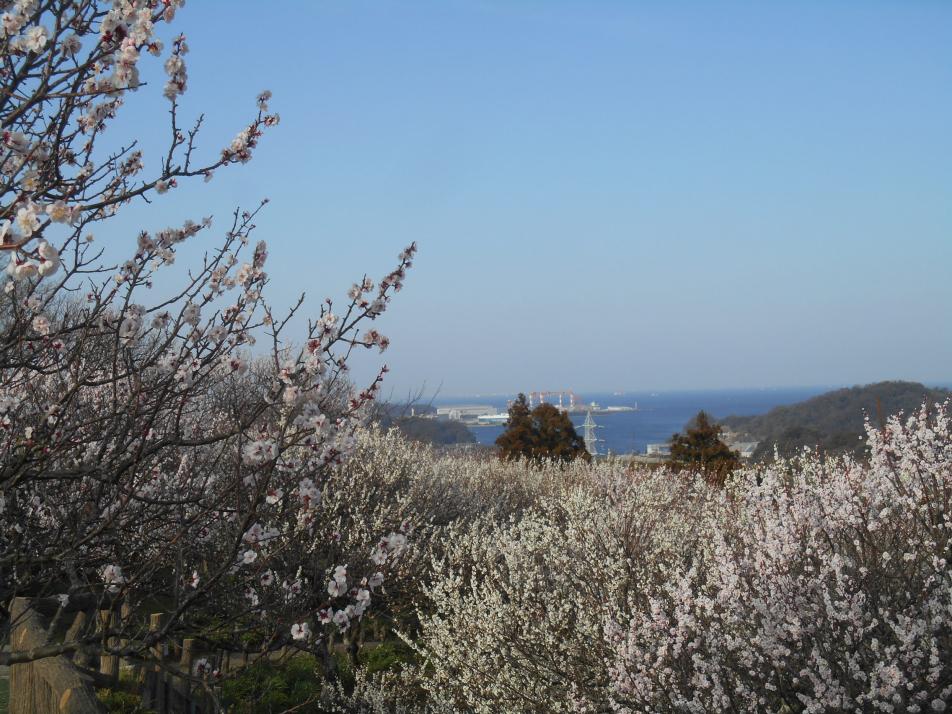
x,y
826,587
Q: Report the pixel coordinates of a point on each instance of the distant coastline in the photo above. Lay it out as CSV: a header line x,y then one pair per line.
x,y
659,415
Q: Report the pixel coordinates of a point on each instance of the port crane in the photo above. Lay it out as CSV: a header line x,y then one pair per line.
x,y
536,398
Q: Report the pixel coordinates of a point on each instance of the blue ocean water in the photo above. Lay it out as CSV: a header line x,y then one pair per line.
x,y
659,415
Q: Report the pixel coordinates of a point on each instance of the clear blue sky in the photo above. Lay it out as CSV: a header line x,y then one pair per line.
x,y
607,195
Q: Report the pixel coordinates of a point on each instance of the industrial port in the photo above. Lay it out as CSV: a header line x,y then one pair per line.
x,y
566,400
654,439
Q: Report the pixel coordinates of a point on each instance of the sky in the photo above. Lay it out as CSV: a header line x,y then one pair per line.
x,y
606,195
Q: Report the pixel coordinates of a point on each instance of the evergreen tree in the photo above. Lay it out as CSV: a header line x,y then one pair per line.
x,y
701,450
543,433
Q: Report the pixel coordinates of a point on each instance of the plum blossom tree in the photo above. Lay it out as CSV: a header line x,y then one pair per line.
x,y
825,587
806,585
147,457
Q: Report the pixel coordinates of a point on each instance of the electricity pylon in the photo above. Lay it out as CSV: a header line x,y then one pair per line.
x,y
591,441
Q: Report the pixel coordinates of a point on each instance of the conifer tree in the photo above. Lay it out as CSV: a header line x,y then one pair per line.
x,y
700,450
543,433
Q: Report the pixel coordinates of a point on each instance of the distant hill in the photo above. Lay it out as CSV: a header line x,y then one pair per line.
x,y
834,421
438,432
416,422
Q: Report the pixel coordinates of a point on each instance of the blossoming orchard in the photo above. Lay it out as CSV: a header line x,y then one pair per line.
x,y
177,464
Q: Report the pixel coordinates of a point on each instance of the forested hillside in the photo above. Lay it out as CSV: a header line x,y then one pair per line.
x,y
834,421
439,432
416,422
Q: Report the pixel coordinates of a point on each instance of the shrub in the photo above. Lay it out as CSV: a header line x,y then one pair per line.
x,y
120,702
809,585
826,587
269,687
514,617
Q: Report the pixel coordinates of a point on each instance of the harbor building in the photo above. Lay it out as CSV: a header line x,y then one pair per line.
x,y
467,413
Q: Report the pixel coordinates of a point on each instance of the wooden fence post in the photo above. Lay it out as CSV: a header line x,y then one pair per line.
x,y
153,692
185,664
109,664
74,632
52,685
125,617
22,676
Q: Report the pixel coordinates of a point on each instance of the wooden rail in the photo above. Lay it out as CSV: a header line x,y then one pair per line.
x,y
167,681
60,685
53,685
167,686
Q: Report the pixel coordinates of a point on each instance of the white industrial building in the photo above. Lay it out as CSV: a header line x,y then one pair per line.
x,y
464,412
744,448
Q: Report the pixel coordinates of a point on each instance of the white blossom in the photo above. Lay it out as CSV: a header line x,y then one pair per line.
x,y
41,325
35,38
300,631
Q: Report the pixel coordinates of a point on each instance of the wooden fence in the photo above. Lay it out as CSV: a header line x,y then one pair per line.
x,y
167,682
67,685
54,685
168,685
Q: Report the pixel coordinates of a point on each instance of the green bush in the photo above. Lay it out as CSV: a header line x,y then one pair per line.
x,y
385,656
270,687
119,702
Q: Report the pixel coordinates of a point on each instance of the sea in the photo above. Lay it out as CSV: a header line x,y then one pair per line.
x,y
659,415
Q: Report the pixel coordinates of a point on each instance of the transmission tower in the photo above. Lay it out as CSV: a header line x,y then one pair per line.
x,y
591,441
